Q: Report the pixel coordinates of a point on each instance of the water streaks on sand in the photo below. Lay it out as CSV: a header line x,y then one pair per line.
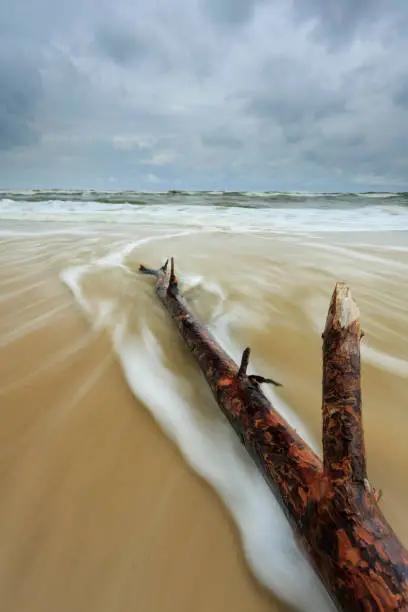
x,y
78,441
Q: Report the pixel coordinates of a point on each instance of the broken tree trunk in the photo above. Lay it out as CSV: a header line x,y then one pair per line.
x,y
330,504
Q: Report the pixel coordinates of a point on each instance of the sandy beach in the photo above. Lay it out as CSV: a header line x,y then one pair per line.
x,y
264,146
100,509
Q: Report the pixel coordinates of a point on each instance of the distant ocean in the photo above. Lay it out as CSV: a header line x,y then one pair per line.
x,y
226,209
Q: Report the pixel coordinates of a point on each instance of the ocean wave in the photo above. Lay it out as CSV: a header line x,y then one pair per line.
x,y
240,199
215,217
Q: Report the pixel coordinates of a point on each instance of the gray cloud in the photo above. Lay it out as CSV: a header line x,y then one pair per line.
x,y
20,90
230,12
290,97
120,43
216,94
339,22
401,95
339,18
219,138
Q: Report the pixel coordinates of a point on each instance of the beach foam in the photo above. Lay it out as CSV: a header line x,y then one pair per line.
x,y
209,446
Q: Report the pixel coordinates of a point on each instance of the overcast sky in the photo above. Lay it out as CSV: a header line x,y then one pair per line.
x,y
204,94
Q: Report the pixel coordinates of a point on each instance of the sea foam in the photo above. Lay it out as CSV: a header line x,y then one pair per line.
x,y
208,445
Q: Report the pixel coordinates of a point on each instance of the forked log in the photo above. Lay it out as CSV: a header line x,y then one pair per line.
x,y
331,506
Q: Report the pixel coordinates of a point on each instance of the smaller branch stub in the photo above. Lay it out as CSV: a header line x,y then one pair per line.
x,y
244,363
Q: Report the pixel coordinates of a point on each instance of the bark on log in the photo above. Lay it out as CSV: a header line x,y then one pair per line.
x,y
331,505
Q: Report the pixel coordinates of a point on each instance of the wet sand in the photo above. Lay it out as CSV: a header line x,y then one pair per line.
x,y
99,510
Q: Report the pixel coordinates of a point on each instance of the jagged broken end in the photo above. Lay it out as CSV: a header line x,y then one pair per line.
x,y
344,313
343,438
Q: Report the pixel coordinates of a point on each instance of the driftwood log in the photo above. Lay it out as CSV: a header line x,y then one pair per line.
x,y
331,506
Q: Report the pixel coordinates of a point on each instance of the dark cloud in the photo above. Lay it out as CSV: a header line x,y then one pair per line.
x,y
401,95
219,93
121,43
230,12
290,97
20,91
339,21
218,138
293,109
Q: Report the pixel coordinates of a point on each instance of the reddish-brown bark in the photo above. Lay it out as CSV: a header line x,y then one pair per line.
x,y
330,504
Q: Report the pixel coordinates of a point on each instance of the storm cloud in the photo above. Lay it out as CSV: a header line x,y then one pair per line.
x,y
20,91
217,94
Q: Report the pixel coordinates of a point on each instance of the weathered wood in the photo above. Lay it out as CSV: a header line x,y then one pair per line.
x,y
331,505
343,443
